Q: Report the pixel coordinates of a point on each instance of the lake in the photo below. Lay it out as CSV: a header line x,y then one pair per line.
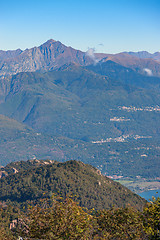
x,y
148,194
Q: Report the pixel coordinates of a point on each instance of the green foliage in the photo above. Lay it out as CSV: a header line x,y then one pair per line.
x,y
62,220
5,234
152,219
7,215
121,223
41,179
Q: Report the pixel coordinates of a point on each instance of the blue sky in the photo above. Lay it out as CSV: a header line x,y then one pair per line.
x,y
109,26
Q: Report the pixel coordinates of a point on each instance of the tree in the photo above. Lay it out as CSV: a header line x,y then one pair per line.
x,y
62,220
6,215
121,223
152,218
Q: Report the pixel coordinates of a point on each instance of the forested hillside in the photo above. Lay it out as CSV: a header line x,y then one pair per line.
x,y
36,179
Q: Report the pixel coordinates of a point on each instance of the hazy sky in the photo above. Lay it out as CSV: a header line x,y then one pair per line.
x,y
109,26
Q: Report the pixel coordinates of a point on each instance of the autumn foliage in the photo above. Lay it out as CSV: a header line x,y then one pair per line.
x,y
65,219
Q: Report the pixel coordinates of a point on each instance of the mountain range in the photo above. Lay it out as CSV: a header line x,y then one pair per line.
x,y
60,103
53,54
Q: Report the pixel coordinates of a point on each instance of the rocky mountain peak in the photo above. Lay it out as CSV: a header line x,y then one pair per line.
x,y
48,43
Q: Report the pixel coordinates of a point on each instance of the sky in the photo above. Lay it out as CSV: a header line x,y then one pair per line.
x,y
108,26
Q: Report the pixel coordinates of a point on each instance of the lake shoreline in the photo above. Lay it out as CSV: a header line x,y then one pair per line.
x,y
149,194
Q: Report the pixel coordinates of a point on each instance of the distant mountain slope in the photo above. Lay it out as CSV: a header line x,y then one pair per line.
x,y
144,66
50,55
92,189
145,54
63,102
9,54
125,75
19,142
104,114
53,54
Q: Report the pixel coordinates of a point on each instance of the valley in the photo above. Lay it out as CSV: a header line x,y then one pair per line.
x,y
104,114
141,185
80,120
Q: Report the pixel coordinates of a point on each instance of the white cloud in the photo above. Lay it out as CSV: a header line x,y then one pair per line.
x,y
90,52
148,71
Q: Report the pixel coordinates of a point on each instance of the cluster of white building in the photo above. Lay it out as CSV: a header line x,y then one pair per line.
x,y
134,109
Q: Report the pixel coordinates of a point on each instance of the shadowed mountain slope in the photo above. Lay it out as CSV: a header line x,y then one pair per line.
x,y
135,62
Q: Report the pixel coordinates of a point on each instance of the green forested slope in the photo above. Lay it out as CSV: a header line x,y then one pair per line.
x,y
106,115
72,178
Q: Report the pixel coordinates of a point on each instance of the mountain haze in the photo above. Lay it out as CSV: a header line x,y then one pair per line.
x,y
145,54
